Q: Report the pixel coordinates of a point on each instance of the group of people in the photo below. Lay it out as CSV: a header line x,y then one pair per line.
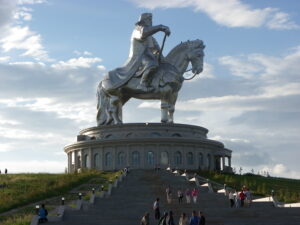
x,y
240,199
168,218
5,171
189,194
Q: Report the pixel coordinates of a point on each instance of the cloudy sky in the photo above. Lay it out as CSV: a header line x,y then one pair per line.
x,y
53,53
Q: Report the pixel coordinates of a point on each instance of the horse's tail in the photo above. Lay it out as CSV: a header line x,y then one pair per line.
x,y
102,104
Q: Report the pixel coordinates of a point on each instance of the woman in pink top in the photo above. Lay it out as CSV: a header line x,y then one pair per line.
x,y
195,195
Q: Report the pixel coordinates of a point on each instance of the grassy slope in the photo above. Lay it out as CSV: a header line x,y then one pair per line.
x,y
23,189
286,190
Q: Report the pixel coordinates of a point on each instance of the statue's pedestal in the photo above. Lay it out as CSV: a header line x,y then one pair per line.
x,y
146,146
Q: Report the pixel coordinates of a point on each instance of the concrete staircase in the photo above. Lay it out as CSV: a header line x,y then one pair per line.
x,y
138,191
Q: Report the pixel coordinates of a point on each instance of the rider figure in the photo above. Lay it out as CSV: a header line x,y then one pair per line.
x,y
145,48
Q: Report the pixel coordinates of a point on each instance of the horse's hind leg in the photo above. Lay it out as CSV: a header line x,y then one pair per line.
x,y
171,108
113,109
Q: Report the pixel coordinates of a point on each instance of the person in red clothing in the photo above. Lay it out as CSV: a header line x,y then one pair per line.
x,y
242,198
195,195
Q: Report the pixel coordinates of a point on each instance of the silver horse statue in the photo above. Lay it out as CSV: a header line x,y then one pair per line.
x,y
166,82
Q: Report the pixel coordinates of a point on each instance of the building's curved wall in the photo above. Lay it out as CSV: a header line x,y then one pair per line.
x,y
146,146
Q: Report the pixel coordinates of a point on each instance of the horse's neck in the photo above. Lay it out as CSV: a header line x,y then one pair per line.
x,y
179,61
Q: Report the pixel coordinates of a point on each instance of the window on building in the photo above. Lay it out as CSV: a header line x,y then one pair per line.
x,y
97,161
200,159
190,158
108,159
208,161
135,158
178,158
150,158
121,159
164,158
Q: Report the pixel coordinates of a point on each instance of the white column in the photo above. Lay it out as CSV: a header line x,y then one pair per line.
x,y
223,162
90,164
69,154
76,163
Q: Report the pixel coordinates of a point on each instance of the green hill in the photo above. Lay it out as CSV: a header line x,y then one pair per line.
x,y
21,189
286,190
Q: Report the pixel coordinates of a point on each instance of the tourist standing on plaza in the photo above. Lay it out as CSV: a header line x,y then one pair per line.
x,y
195,195
236,199
194,220
242,198
156,209
183,220
231,199
201,218
248,197
163,219
169,194
180,196
145,219
188,196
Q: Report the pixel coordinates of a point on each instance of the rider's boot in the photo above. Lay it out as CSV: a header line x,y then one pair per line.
x,y
145,84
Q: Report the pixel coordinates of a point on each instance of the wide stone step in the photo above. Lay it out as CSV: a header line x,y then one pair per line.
x,y
138,191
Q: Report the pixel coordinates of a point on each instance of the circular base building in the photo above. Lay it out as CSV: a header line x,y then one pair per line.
x,y
147,146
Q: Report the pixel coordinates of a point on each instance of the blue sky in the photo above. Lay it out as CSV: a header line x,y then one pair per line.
x,y
53,54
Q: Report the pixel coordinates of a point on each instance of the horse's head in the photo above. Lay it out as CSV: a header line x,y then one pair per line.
x,y
195,55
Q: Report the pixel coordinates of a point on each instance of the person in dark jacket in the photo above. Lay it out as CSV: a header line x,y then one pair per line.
x,y
202,218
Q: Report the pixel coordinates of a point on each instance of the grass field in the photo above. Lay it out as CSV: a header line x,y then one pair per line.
x,y
286,190
23,189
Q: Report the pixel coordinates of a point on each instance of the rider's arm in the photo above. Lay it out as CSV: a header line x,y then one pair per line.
x,y
141,33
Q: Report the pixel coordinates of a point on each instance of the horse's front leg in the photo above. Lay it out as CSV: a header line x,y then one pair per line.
x,y
171,113
164,111
113,109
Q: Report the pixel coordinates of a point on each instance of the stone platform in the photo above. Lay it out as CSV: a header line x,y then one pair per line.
x,y
146,146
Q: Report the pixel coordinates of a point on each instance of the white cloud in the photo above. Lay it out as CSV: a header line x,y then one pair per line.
x,y
75,63
101,67
21,38
28,64
231,13
4,59
15,36
7,9
5,147
240,68
281,170
76,52
23,13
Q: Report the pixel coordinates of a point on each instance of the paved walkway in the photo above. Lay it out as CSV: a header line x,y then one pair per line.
x,y
138,191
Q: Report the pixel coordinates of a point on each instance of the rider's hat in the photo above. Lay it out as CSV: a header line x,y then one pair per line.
x,y
143,17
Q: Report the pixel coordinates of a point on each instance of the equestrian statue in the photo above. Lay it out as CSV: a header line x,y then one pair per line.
x,y
147,74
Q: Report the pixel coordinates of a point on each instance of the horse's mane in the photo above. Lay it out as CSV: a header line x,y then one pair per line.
x,y
183,46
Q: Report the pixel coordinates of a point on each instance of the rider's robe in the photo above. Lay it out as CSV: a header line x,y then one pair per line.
x,y
142,55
